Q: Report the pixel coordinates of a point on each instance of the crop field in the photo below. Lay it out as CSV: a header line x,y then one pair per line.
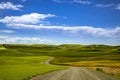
x,y
20,62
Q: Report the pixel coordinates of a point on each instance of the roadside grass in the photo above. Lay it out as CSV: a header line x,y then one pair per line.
x,y
111,67
24,72
23,68
99,63
113,71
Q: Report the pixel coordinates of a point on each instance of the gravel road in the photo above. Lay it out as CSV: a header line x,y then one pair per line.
x,y
73,73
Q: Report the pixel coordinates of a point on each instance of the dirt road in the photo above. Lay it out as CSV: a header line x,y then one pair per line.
x,y
73,73
47,62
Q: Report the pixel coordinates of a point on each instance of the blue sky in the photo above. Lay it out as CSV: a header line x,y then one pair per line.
x,y
60,21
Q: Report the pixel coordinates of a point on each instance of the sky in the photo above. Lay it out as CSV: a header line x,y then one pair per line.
x,y
60,22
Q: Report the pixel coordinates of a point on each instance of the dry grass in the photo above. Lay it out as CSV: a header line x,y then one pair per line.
x,y
99,63
110,67
114,71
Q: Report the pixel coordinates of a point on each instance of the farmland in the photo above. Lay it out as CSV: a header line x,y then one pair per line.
x,y
18,61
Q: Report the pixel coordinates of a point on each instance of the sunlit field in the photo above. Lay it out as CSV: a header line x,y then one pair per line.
x,y
20,62
14,66
100,63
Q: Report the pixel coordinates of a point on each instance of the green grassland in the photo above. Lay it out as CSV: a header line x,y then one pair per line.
x,y
21,68
24,72
15,65
18,61
68,53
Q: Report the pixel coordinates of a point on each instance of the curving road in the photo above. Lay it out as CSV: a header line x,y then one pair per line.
x,y
73,73
47,62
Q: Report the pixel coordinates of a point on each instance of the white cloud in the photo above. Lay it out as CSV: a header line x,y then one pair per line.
x,y
34,21
7,31
82,1
115,32
118,7
32,18
104,5
9,5
1,37
73,1
23,40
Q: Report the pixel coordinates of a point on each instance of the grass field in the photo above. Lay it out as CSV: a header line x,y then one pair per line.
x,y
21,68
18,62
17,66
22,72
2,48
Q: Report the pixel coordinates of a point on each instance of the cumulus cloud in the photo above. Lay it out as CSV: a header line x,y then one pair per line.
x,y
9,5
32,18
104,5
23,40
118,7
7,31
